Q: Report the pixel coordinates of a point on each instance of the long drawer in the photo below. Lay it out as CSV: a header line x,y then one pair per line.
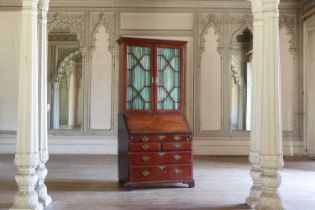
x,y
159,173
142,158
159,138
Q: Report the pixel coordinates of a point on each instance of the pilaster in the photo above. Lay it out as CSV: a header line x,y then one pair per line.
x,y
27,144
44,198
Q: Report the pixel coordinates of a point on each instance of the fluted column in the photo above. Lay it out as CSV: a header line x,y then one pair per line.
x,y
271,156
257,73
27,157
71,94
44,198
56,105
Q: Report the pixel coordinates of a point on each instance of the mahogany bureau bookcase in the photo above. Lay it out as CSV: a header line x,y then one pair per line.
x,y
155,140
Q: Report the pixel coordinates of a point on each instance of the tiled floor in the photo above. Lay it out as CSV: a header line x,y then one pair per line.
x,y
89,182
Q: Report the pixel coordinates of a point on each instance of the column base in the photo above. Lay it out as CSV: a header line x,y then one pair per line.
x,y
251,202
269,202
253,199
45,201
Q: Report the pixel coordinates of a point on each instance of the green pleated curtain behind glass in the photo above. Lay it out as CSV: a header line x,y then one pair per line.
x,y
168,93
138,78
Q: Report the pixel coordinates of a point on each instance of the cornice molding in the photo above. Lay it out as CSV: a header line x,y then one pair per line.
x,y
189,4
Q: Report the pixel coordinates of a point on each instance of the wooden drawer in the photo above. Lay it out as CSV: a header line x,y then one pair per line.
x,y
177,138
142,158
175,146
158,173
144,147
159,138
146,138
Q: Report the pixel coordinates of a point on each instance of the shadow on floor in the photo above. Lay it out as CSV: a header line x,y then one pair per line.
x,y
5,205
7,185
86,186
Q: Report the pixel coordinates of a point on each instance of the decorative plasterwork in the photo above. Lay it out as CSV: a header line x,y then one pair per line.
x,y
236,74
238,25
73,57
205,22
108,21
288,21
71,21
43,5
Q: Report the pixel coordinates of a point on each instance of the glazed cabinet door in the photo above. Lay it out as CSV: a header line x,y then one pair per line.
x,y
139,78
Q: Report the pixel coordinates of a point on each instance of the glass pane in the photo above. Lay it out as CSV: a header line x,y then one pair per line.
x,y
138,78
168,94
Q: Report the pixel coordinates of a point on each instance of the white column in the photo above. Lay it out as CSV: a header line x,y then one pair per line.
x,y
257,73
56,105
44,198
26,156
271,156
71,94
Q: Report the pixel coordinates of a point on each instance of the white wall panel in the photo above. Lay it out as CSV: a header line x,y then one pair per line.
x,y
287,81
9,65
101,83
210,84
156,21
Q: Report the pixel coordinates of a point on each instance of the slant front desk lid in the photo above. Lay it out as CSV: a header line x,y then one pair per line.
x,y
168,123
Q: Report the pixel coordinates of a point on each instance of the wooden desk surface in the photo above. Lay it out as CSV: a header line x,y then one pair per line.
x,y
157,123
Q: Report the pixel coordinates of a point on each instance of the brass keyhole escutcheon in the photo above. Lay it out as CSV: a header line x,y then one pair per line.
x,y
177,145
145,139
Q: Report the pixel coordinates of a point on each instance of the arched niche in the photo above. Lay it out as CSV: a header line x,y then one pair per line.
x,y
65,70
240,80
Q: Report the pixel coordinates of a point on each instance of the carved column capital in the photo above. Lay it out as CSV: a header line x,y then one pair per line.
x,y
43,5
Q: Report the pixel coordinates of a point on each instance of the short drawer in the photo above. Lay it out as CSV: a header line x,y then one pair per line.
x,y
160,173
174,146
144,147
152,158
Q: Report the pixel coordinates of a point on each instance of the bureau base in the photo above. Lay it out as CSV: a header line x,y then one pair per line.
x,y
133,185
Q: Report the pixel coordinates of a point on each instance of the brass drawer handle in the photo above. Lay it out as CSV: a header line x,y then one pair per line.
x,y
161,168
145,139
161,154
161,138
177,145
145,146
178,171
145,158
177,157
177,138
145,173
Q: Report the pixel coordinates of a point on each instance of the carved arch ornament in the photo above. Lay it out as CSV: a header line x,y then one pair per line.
x,y
288,22
72,21
238,25
205,22
108,21
72,57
